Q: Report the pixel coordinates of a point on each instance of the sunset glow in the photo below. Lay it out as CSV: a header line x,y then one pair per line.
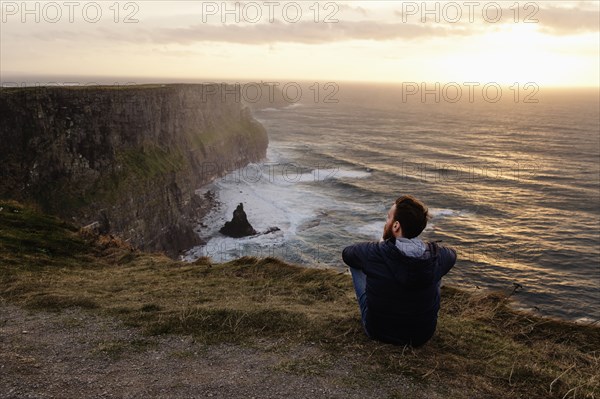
x,y
549,43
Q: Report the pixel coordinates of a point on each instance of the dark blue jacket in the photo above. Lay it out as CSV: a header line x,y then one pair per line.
x,y
403,293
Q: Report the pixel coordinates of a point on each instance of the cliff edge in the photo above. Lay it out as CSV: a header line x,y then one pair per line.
x,y
126,159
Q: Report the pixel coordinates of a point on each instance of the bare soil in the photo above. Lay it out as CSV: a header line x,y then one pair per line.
x,y
77,354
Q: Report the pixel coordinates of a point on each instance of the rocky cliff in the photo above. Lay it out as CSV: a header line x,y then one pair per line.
x,y
127,159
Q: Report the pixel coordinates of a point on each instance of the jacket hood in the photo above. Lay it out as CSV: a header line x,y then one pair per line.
x,y
412,247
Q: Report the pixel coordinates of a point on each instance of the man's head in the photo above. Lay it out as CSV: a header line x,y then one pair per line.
x,y
406,218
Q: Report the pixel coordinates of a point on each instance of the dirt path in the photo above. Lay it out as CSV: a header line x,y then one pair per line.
x,y
77,354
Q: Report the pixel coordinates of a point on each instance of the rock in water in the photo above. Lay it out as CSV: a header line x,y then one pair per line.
x,y
239,225
271,230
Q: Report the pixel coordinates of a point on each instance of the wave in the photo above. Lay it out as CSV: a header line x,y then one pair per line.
x,y
289,202
443,212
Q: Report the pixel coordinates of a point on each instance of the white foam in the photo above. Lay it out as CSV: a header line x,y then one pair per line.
x,y
277,169
286,107
268,202
586,320
290,175
374,230
371,231
343,173
442,212
274,198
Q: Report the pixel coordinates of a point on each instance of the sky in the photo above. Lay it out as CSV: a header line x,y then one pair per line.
x,y
549,43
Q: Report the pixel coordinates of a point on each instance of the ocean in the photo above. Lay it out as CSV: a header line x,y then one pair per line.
x,y
512,185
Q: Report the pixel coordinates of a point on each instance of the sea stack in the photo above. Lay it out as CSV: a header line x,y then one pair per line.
x,y
239,225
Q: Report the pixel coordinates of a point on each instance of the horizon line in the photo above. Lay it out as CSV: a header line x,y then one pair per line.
x,y
43,80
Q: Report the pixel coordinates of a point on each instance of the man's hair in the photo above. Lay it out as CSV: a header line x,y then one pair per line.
x,y
412,215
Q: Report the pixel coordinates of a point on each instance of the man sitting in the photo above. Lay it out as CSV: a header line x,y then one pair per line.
x,y
397,280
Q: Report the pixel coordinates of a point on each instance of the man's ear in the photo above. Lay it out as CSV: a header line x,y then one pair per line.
x,y
397,228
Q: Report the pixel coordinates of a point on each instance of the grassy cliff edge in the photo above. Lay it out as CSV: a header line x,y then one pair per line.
x,y
482,348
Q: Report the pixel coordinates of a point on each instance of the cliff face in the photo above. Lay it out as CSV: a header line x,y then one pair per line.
x,y
129,158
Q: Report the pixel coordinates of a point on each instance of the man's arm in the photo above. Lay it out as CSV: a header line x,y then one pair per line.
x,y
356,255
447,259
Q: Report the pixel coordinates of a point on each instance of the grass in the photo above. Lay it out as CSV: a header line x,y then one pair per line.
x,y
482,347
137,168
151,162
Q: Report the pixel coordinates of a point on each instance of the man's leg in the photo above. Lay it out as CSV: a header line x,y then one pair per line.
x,y
360,287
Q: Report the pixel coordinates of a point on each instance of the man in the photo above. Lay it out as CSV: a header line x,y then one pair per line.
x,y
397,280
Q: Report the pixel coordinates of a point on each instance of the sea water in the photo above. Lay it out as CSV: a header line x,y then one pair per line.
x,y
514,187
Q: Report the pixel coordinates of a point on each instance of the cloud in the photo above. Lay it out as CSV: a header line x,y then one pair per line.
x,y
304,32
353,9
567,21
551,20
583,18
